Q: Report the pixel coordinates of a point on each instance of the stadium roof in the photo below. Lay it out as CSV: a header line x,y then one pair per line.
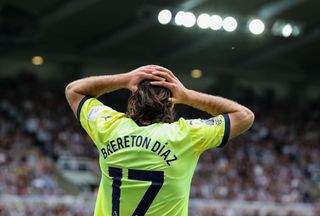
x,y
124,31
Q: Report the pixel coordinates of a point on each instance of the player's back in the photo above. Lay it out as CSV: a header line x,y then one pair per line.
x,y
147,170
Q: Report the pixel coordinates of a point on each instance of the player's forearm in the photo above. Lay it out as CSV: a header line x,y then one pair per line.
x,y
241,117
212,104
93,87
216,105
97,85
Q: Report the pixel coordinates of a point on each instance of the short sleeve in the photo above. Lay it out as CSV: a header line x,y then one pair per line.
x,y
97,119
209,133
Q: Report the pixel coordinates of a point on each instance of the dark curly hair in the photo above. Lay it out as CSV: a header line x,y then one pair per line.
x,y
151,103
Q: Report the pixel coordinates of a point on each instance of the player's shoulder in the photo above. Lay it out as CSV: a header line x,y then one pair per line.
x,y
182,123
189,122
197,124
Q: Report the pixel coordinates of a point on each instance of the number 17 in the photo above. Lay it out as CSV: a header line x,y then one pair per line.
x,y
156,178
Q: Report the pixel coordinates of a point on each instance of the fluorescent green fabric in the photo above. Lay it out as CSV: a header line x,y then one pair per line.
x,y
172,149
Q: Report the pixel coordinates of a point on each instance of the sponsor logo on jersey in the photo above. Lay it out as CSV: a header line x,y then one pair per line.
x,y
208,121
95,111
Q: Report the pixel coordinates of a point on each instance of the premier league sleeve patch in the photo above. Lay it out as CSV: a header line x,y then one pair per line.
x,y
200,122
217,121
207,121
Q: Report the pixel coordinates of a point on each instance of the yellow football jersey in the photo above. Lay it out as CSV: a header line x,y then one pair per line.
x,y
147,170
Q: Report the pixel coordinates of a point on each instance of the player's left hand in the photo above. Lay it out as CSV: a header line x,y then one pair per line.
x,y
135,76
171,82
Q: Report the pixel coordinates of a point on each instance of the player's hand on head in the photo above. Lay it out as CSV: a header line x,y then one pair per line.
x,y
142,73
179,92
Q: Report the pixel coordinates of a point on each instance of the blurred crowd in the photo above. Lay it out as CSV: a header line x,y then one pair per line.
x,y
40,109
83,210
24,168
276,161
45,209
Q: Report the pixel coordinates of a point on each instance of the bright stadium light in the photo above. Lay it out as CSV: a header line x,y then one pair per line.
x,y
215,22
37,60
287,30
178,19
229,24
203,21
164,16
256,26
189,19
196,73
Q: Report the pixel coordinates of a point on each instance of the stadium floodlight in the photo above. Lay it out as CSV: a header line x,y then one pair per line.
x,y
196,73
215,22
179,18
203,21
189,19
164,16
256,26
37,60
229,24
287,30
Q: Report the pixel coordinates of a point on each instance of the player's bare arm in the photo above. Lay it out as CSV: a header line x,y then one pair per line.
x,y
96,86
241,117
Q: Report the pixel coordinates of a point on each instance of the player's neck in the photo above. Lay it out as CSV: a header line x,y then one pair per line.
x,y
145,122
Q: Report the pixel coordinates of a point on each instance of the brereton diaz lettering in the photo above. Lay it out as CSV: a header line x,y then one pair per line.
x,y
140,142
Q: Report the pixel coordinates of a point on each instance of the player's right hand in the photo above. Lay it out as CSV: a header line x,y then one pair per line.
x,y
179,92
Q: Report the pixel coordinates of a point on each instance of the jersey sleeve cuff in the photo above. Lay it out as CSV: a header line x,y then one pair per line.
x,y
84,99
226,131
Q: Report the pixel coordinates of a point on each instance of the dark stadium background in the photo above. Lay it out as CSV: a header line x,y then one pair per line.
x,y
48,166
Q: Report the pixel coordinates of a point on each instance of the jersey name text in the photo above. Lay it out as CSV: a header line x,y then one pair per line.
x,y
134,141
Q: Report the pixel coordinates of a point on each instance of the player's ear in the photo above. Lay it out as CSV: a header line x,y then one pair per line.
x,y
133,90
171,100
